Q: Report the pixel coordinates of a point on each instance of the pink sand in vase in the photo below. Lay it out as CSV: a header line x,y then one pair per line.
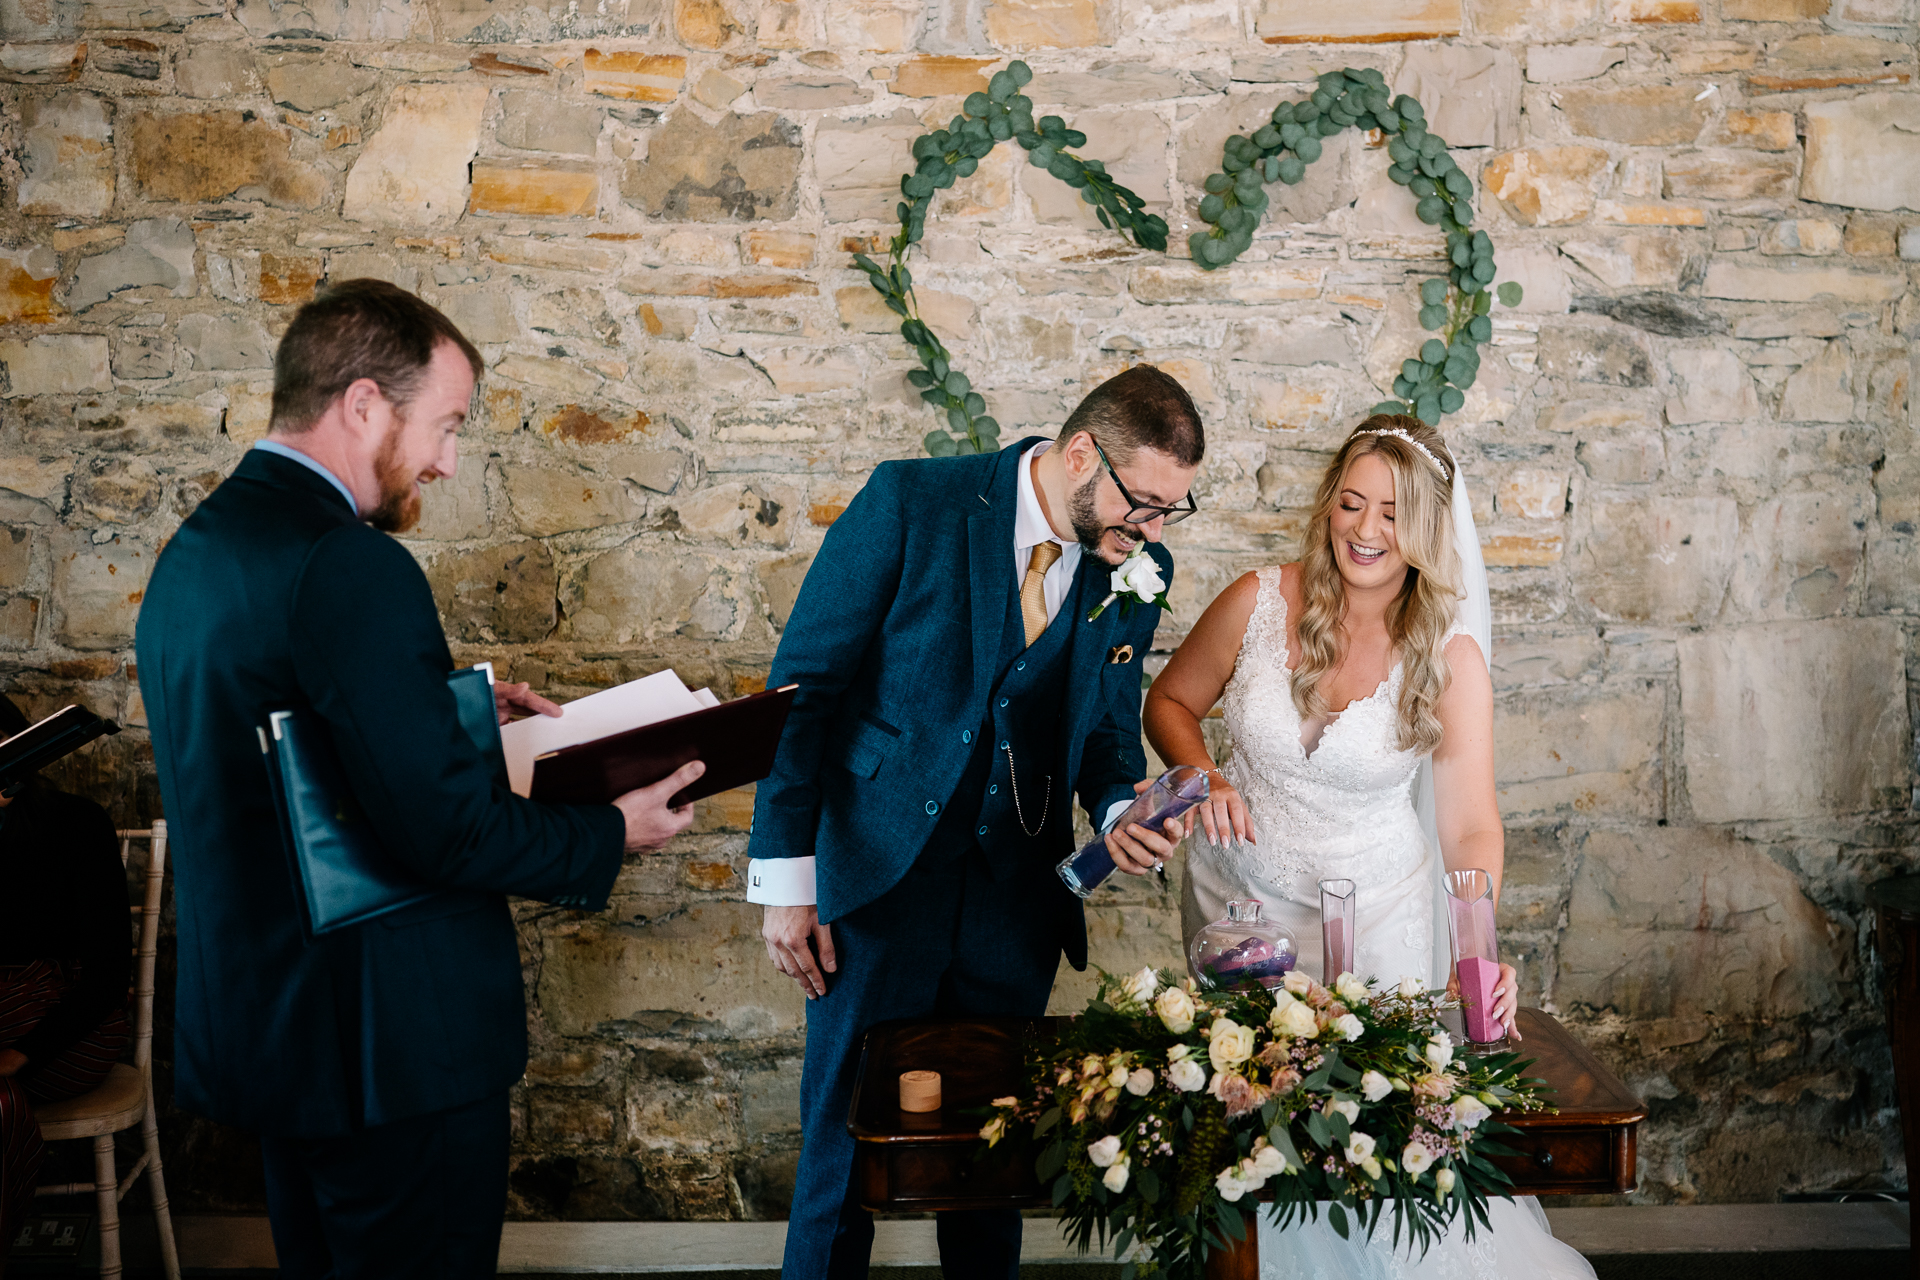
x,y
1478,978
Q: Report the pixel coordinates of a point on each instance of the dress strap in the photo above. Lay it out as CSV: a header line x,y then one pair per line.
x,y
1267,625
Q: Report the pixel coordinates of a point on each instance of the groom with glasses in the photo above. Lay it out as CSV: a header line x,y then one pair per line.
x,y
954,695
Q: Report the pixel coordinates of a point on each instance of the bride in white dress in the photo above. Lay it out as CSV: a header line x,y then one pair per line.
x,y
1342,675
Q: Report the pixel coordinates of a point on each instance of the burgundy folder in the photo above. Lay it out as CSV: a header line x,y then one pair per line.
x,y
736,740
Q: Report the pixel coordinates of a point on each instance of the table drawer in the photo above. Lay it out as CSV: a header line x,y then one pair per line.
x,y
1569,1161
903,1175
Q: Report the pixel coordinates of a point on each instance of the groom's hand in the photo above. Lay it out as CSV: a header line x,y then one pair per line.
x,y
793,934
1137,850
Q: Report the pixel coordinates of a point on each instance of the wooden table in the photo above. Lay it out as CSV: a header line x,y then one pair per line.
x,y
915,1163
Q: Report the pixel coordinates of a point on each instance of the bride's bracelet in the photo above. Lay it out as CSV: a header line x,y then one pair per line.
x,y
1223,777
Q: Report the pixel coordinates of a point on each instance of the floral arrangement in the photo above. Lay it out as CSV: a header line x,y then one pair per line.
x,y
1167,1103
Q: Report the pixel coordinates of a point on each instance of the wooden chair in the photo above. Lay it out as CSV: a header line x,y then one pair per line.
x,y
125,1098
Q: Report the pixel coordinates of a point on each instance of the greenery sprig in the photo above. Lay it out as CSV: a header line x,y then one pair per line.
x,y
1433,383
942,158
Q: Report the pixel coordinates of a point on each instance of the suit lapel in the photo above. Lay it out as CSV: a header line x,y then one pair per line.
x,y
990,564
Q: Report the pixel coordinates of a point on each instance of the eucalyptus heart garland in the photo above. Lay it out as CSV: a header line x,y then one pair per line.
x,y
1430,384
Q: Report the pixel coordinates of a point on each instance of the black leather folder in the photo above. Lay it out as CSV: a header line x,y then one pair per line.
x,y
737,740
37,746
341,874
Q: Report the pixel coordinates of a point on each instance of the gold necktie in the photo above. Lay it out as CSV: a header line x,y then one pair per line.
x,y
1033,591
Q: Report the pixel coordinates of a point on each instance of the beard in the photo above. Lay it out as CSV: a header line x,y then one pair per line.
x,y
1085,518
399,507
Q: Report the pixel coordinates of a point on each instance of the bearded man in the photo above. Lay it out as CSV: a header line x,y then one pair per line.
x,y
959,681
373,1061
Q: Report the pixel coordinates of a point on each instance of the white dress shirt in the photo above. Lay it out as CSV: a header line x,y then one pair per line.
x,y
788,882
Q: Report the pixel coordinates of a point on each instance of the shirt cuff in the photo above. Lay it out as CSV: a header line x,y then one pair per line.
x,y
781,882
1114,810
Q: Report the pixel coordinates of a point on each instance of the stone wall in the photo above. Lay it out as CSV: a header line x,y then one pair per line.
x,y
1692,449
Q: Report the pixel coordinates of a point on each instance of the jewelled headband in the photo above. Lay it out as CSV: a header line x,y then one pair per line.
x,y
1402,433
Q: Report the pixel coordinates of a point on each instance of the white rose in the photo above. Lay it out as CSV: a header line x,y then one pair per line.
x,y
1229,1185
1371,1168
1374,1086
1118,1076
1267,1160
1175,1008
1416,1159
1142,985
1140,1082
1139,574
1116,1176
1346,1107
1360,1147
1439,1050
1443,1181
1410,987
1469,1111
1178,1052
1104,1152
1188,1076
1348,1026
1351,989
1008,1101
994,1129
1231,1045
1297,982
1298,1020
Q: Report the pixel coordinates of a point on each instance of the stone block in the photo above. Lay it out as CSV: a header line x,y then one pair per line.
x,y
1641,115
117,490
1592,749
1774,10
635,593
1643,12
545,122
1613,355
1864,152
54,364
1800,555
1471,92
1635,458
770,1099
67,156
216,71
127,56
873,26
800,371
1764,130
1547,186
1532,494
1821,390
1811,237
1753,698
289,280
413,172
40,478
1728,175
657,469
203,156
1331,22
578,424
1535,19
549,500
739,169
1250,283
1135,144
16,558
791,250
858,164
503,594
1116,84
327,19
310,84
531,189
1710,385
1664,562
781,579
786,24
1867,237
99,587
716,89
1698,925
42,63
1755,283
1645,259
809,93
704,969
705,24
454,508
1555,63
740,514
143,428
634,77
580,313
1021,25
157,252
225,342
939,77
27,278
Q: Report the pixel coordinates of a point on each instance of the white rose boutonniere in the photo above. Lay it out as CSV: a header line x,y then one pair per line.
x,y
1137,578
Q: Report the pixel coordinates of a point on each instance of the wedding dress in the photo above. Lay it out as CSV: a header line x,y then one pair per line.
x,y
1344,809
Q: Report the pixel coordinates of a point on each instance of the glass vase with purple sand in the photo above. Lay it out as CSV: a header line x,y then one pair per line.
x,y
1476,952
1241,947
1172,794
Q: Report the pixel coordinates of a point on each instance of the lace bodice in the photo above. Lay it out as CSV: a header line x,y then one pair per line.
x,y
1346,809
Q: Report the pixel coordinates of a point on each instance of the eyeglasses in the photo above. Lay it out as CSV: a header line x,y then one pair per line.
x,y
1143,512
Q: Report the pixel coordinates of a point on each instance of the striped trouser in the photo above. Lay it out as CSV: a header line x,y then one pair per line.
x,y
27,994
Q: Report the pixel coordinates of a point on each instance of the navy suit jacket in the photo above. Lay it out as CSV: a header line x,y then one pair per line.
x,y
893,642
274,595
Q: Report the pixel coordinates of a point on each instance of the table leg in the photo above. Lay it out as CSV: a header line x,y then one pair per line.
x,y
1242,1261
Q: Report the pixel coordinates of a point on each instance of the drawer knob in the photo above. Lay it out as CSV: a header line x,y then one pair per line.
x,y
1544,1157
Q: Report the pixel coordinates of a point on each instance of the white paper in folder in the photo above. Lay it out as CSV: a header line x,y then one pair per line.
x,y
660,696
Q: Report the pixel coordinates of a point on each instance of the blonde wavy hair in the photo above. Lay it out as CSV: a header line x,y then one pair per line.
x,y
1425,608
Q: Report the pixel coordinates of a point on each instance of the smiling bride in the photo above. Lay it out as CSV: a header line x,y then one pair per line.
x,y
1343,675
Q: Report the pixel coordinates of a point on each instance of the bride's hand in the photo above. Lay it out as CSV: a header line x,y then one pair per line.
x,y
1506,1000
1223,815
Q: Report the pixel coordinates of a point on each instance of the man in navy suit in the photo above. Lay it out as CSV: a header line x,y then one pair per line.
x,y
374,1061
954,694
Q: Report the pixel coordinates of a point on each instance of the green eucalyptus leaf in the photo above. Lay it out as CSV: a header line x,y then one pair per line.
x,y
1422,186
1001,86
1433,292
1270,168
1218,184
1075,138
1451,399
1308,150
1283,114
939,444
1482,304
1483,271
1481,328
986,426
1459,183
1433,318
1461,255
1482,244
1433,353
1385,406
1413,369
1211,207
1022,74
1399,175
1001,128
1402,388
1430,210
1511,293
919,377
977,104
1427,409
1266,137
1292,169
1387,119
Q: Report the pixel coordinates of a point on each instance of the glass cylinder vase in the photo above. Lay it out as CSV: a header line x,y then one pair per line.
x,y
1476,952
1172,794
1336,929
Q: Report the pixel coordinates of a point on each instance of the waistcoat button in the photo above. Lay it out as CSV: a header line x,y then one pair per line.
x,y
983,831
1004,744
966,735
932,807
1003,702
